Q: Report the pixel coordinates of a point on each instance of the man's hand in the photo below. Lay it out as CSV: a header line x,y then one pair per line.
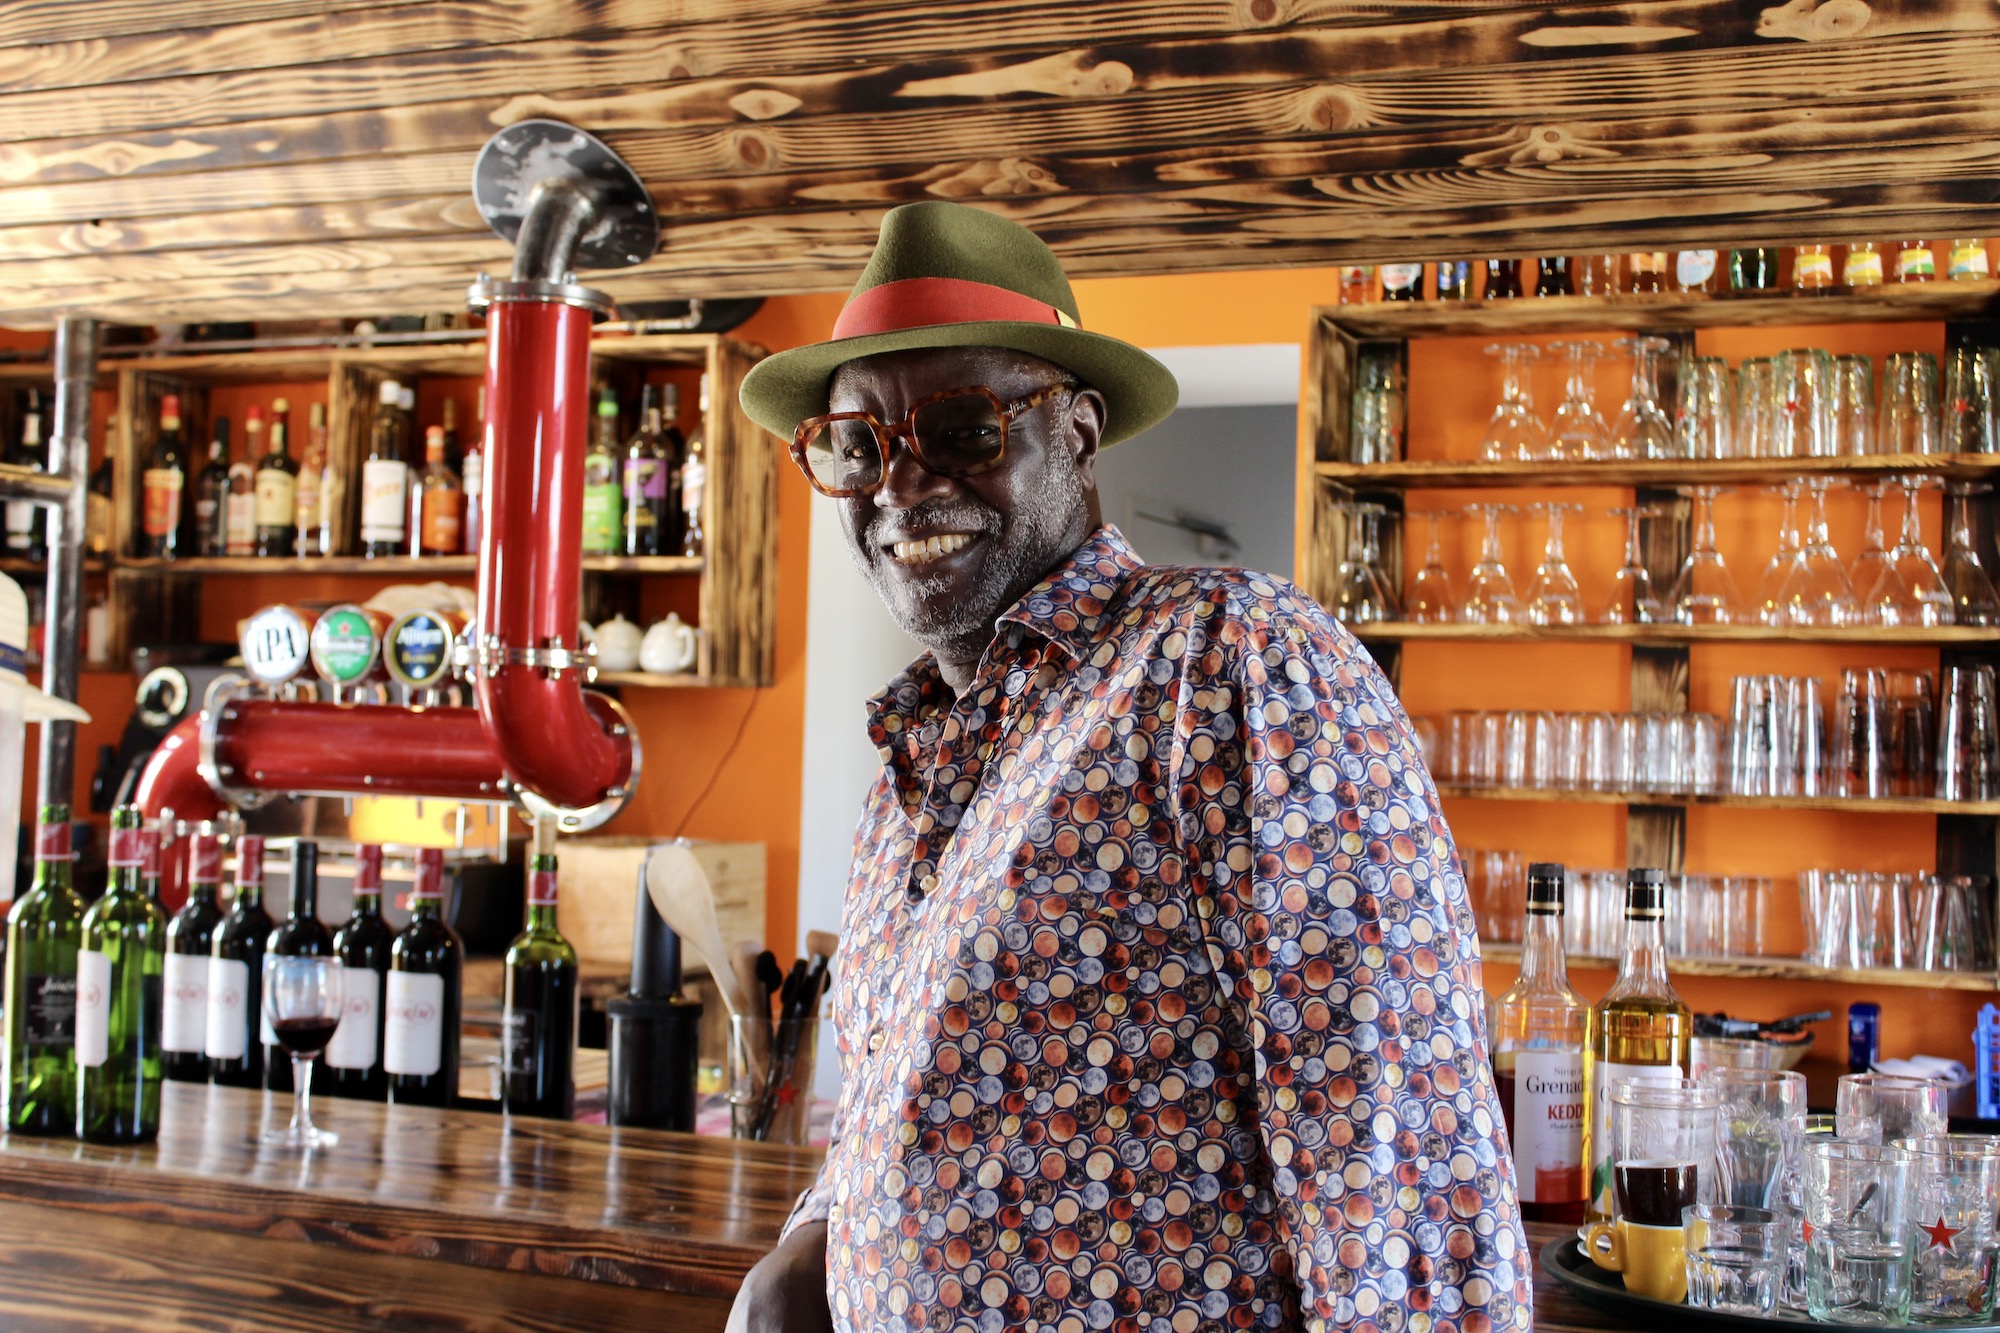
x,y
786,1291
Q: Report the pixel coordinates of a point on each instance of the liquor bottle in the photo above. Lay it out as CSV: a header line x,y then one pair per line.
x,y
1503,280
1915,262
1639,1030
309,497
163,481
120,973
474,481
1754,269
98,510
694,485
441,512
1454,280
453,455
190,936
1356,280
1694,270
385,479
1552,276
43,932
1402,282
1595,275
539,1008
1862,266
647,521
27,526
1647,270
236,976
601,517
353,1064
673,457
239,515
420,1034
301,935
1537,1033
211,495
1967,261
1812,268
277,503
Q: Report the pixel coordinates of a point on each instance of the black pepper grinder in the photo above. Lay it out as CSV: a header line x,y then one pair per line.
x,y
655,1034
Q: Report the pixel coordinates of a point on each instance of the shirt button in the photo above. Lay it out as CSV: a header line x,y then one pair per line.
x,y
875,1041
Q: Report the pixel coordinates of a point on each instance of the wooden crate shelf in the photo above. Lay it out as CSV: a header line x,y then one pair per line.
x,y
1655,472
1887,805
395,565
1913,636
1794,969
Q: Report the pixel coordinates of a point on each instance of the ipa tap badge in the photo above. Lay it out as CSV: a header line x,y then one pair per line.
x,y
276,643
419,648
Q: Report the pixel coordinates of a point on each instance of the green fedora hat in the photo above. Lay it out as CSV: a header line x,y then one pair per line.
x,y
947,275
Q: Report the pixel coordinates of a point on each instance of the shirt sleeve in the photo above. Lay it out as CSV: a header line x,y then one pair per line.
x,y
1338,919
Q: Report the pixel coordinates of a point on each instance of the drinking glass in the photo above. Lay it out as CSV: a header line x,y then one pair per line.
x,y
1705,409
1756,728
1377,408
1819,592
303,1001
1860,761
1950,923
1772,607
1805,748
1881,1108
1956,1241
1735,1257
1704,594
1872,564
1911,591
1553,597
1968,749
1600,756
1824,899
1970,400
1431,600
1632,600
1857,1219
1757,1106
1912,729
1792,1199
1854,405
1515,432
1580,433
1663,1148
1489,592
1908,419
1802,404
1755,436
1973,600
1362,594
1642,429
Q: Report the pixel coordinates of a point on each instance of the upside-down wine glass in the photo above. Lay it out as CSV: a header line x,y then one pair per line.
x,y
1643,429
1553,598
1579,431
1431,600
1362,595
1632,599
1911,591
1515,434
1873,561
1973,600
1489,591
1820,590
1772,608
1704,594
303,999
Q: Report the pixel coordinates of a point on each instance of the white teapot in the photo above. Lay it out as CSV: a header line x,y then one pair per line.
x,y
670,647
618,645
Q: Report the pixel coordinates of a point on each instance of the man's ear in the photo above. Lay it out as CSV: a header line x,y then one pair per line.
x,y
1085,428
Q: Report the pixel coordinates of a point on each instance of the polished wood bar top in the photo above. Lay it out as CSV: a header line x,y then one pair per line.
x,y
1556,1310
636,1208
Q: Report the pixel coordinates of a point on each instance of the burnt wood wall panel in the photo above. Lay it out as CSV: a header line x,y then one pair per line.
x,y
273,158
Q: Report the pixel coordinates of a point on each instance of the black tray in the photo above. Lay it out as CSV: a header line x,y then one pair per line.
x,y
1565,1261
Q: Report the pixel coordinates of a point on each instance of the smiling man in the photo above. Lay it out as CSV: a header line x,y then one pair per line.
x,y
1158,996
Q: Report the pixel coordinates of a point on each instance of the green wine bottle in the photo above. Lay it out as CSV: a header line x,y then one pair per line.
x,y
120,975
539,1008
42,935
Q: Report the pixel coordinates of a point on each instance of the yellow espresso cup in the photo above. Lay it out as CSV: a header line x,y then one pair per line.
x,y
1653,1260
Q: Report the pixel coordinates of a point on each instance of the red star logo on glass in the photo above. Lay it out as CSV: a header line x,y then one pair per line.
x,y
1808,1229
1940,1234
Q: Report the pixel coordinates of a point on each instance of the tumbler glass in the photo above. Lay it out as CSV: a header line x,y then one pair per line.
x,y
1755,435
1970,400
1705,410
1858,1232
1881,1108
1860,760
1792,1198
1735,1257
1803,399
1758,1106
1956,1242
1907,422
1912,732
1854,406
1805,736
1968,750
1663,1148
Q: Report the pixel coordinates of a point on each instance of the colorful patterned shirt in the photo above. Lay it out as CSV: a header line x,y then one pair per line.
x,y
1159,1001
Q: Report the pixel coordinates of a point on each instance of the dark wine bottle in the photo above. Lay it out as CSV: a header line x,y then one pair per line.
x,y
190,936
353,1064
43,932
236,976
211,496
420,1033
277,485
539,1008
120,971
163,481
302,935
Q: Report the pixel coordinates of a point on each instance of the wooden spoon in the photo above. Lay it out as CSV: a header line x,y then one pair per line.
x,y
680,891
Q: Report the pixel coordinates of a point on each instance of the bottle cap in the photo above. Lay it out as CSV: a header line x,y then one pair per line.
x,y
204,858
368,868
1545,887
254,417
250,859
607,404
170,411
281,406
389,395
434,443
318,414
1645,894
429,882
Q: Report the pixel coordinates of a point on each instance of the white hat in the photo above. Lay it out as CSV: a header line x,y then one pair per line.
x,y
35,705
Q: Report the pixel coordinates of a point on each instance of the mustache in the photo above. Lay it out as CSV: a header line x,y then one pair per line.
x,y
907,523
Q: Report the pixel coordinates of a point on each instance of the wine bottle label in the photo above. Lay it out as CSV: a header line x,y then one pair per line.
x,y
93,1008
277,498
1968,259
353,1044
694,480
1548,1125
518,1042
1402,277
1693,268
228,993
306,499
186,1026
163,500
1602,1077
439,522
385,493
413,1041
239,519
128,848
51,1009
600,518
1810,269
1862,269
1916,261
52,842
20,525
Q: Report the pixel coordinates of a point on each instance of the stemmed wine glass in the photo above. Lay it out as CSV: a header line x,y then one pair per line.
x,y
1579,431
1873,561
1911,591
1642,429
1973,601
1515,434
1632,599
1819,589
1361,594
1489,592
1704,594
1772,608
303,1000
1431,600
1553,598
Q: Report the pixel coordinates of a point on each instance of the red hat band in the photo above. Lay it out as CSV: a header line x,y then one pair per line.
x,y
914,303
